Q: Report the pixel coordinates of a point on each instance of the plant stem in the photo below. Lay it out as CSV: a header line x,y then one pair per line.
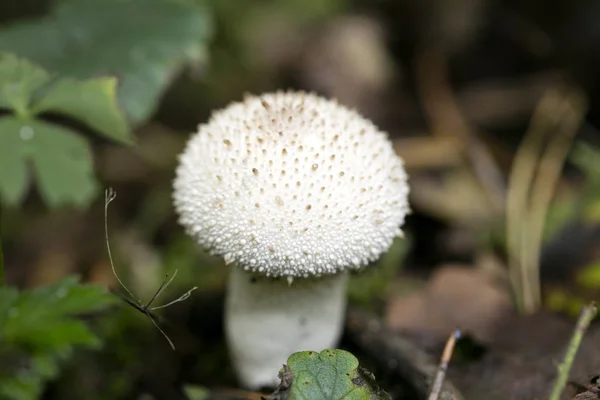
x,y
587,314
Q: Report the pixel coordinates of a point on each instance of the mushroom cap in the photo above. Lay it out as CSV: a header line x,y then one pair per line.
x,y
291,184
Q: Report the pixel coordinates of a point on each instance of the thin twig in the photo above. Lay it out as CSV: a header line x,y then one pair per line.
x,y
443,367
109,196
133,301
585,318
394,352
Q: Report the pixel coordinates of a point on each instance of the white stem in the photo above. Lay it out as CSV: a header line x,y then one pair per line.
x,y
266,320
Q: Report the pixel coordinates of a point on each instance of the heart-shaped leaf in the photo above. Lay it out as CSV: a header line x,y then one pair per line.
x,y
328,375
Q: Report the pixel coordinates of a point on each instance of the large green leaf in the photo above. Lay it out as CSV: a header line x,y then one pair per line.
x,y
61,160
328,375
19,80
92,102
27,90
142,42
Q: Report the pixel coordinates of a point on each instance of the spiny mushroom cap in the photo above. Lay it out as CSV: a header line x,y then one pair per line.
x,y
291,184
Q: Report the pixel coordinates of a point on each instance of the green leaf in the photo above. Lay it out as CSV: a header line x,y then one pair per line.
x,y
19,80
328,375
40,329
68,297
144,43
61,160
38,317
14,177
21,387
59,335
92,102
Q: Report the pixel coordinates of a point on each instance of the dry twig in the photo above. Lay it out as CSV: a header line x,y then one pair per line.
x,y
443,367
398,355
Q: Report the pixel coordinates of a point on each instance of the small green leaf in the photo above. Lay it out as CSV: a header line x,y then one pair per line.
x,y
328,375
92,102
61,159
19,80
144,43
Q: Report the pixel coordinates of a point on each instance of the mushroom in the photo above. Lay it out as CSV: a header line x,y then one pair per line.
x,y
294,191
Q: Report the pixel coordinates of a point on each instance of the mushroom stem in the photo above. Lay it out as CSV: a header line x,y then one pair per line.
x,y
268,319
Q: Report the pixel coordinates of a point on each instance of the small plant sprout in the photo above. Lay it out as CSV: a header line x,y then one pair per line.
x,y
294,191
129,298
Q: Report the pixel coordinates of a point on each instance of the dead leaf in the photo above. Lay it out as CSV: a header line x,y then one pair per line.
x,y
455,297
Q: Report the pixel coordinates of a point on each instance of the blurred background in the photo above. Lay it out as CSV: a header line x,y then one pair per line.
x,y
493,104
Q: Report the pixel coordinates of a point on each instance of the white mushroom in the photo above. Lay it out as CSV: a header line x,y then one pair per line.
x,y
295,191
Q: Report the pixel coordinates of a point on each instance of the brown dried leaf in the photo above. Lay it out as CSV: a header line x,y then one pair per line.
x,y
455,297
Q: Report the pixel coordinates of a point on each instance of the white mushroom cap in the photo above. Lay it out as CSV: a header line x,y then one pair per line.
x,y
291,184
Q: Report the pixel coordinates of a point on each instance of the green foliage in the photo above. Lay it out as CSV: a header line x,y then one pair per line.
x,y
183,254
328,375
142,42
589,276
243,29
570,300
60,158
583,205
370,286
196,392
587,159
561,300
40,329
